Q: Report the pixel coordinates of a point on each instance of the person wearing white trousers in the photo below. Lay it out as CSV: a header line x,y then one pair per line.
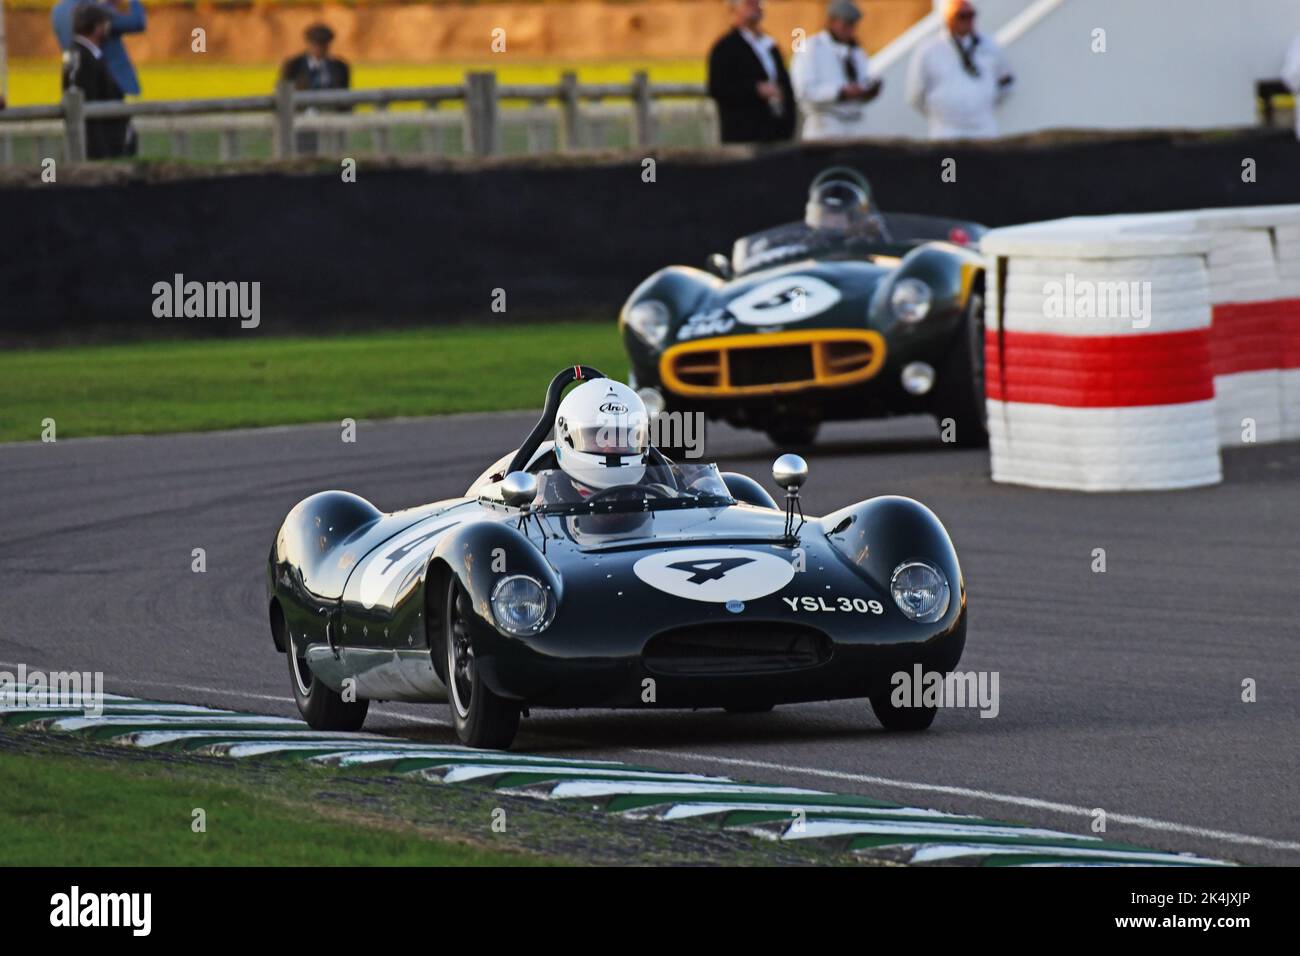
x,y
830,80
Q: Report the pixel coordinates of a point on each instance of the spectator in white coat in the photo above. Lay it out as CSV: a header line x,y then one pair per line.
x,y
1291,77
830,77
957,78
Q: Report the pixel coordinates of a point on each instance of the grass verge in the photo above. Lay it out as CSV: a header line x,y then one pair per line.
x,y
256,380
71,812
68,801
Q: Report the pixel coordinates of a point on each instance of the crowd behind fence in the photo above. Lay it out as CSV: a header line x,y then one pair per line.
x,y
479,117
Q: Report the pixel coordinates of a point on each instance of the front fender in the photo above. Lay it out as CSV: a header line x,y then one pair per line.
x,y
877,535
481,553
683,290
950,271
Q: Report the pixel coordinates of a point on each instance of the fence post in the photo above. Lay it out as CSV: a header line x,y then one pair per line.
x,y
642,117
570,110
481,118
74,125
285,147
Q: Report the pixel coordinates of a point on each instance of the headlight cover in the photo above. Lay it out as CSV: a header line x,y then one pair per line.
x,y
521,605
921,591
910,300
650,320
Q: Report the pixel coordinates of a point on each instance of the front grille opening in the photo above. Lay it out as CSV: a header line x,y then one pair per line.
x,y
700,368
771,366
750,648
845,358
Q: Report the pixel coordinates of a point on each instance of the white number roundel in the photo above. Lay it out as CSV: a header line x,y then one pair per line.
x,y
715,574
784,300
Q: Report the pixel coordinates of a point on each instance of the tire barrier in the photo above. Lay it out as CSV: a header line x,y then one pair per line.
x,y
1123,352
862,827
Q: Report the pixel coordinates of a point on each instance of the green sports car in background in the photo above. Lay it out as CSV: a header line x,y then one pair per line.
x,y
849,314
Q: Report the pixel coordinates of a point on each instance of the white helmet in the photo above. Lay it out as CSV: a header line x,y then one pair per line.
x,y
601,434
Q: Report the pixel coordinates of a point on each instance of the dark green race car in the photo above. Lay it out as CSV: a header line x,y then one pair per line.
x,y
849,314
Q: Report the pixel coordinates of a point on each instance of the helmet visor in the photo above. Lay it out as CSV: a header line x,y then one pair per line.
x,y
624,436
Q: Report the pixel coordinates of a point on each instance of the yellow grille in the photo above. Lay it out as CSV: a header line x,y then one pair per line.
x,y
778,363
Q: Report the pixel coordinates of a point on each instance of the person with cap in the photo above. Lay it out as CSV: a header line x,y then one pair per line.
x,y
748,81
316,69
957,78
830,77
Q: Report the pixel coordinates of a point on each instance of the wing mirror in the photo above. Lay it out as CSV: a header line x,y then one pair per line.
x,y
519,489
719,265
790,472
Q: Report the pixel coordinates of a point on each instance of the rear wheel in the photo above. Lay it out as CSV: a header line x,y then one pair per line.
x,y
959,392
482,718
321,707
892,717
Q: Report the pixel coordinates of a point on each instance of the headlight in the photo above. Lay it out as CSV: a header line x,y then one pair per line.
x,y
910,300
650,320
521,605
920,590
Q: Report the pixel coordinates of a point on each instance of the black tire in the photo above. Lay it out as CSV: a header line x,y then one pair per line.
x,y
482,719
794,436
321,707
907,719
749,709
959,391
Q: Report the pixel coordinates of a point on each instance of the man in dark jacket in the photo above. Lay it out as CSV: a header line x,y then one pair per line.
x,y
748,81
316,69
85,68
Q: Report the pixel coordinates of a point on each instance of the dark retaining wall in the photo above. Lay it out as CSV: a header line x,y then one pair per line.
x,y
569,236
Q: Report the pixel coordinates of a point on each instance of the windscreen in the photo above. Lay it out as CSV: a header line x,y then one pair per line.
x,y
662,487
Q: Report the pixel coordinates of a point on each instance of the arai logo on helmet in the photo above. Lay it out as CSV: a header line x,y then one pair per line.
x,y
788,299
614,408
716,575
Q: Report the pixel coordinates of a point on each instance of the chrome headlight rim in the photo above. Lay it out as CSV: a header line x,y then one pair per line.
x,y
943,601
650,319
910,300
535,627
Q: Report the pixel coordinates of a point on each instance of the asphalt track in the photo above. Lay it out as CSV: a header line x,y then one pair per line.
x,y
1119,691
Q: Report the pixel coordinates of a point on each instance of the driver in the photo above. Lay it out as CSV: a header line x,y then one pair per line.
x,y
842,207
601,440
838,218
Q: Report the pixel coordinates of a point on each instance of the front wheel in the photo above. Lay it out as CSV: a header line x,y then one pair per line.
x,y
960,406
322,707
482,718
892,717
794,436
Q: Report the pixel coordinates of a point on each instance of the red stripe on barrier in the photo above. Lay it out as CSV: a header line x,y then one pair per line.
x,y
1289,333
1246,337
1109,371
